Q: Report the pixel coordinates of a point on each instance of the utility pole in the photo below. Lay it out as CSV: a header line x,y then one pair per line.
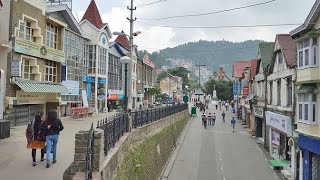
x,y
131,20
199,65
265,73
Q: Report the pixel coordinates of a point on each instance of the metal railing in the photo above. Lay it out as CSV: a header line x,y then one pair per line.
x,y
115,126
89,155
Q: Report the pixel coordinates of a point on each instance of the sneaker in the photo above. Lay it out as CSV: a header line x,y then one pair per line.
x,y
48,165
42,160
34,164
54,161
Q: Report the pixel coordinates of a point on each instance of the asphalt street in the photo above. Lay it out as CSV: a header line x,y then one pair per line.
x,y
216,153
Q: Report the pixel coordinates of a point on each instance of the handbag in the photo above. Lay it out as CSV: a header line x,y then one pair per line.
x,y
36,144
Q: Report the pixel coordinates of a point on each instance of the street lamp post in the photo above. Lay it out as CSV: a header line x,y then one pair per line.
x,y
199,65
125,60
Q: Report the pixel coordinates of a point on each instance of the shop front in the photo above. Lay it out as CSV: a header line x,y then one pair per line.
x,y
115,100
310,153
259,122
97,101
280,130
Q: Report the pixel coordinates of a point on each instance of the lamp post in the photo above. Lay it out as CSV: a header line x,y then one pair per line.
x,y
125,60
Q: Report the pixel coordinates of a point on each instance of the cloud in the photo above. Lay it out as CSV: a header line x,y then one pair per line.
x,y
152,37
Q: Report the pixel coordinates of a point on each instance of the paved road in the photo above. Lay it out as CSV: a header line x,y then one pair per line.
x,y
16,161
216,153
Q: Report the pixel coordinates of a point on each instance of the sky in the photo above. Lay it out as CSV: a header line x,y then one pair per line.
x,y
154,38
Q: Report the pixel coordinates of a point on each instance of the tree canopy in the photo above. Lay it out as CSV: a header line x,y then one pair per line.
x,y
223,88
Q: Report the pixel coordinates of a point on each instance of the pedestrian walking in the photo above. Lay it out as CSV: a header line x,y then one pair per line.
x,y
216,106
35,137
227,105
214,119
233,123
223,116
204,120
210,121
52,127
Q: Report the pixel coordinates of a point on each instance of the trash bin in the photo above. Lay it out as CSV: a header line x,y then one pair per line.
x,y
4,129
194,111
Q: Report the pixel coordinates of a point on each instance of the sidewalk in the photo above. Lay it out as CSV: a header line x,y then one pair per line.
x,y
16,161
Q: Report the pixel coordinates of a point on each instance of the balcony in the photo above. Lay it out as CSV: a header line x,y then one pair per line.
x,y
310,75
308,129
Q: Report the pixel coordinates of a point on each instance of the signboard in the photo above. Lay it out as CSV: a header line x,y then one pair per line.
x,y
185,99
35,98
275,138
37,50
72,87
279,122
235,89
91,79
246,90
258,111
101,97
15,68
84,98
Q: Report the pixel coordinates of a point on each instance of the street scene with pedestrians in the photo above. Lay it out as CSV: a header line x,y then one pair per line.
x,y
159,90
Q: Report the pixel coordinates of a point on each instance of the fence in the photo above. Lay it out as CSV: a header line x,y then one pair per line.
x,y
89,154
116,126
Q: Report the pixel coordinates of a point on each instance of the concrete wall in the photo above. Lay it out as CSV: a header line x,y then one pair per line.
x,y
141,153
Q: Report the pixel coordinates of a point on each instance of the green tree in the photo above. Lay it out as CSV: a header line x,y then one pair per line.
x,y
154,91
181,72
223,88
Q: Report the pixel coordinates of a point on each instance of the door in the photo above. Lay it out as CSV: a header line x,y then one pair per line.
x,y
259,127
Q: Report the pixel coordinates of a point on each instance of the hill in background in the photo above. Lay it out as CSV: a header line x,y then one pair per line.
x,y
211,53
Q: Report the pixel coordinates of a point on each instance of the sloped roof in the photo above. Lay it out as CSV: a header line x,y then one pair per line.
x,y
310,20
288,48
253,68
265,53
123,40
238,67
148,61
93,16
221,75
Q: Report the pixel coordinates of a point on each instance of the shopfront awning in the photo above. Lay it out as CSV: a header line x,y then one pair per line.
x,y
41,87
307,89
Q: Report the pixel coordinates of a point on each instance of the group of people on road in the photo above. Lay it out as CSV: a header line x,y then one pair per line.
x,y
43,133
211,120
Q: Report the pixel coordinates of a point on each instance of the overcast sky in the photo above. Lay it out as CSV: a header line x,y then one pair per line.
x,y
114,12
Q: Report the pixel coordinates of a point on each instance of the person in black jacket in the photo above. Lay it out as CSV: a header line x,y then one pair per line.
x,y
52,127
36,134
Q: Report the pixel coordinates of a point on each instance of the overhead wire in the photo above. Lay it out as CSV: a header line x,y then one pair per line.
x,y
151,3
208,13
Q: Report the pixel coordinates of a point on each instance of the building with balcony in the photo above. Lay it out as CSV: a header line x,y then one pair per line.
x,y
280,109
265,53
96,78
34,67
307,97
76,53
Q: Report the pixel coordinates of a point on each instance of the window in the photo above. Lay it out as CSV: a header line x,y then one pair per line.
x,y
279,92
280,58
270,92
26,69
25,31
307,108
50,74
51,35
289,91
308,53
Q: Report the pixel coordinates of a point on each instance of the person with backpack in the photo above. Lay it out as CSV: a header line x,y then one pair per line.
x,y
52,127
35,137
233,123
223,116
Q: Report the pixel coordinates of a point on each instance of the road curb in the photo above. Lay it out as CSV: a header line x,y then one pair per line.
x,y
167,168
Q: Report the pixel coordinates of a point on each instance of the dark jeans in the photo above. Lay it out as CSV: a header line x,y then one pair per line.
x,y
34,152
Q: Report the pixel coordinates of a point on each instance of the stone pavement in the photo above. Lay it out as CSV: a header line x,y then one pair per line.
x,y
216,153
16,160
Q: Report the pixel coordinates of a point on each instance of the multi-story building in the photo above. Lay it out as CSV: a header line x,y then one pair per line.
x,y
140,83
265,53
5,47
98,47
307,97
148,77
280,110
119,48
34,67
76,54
